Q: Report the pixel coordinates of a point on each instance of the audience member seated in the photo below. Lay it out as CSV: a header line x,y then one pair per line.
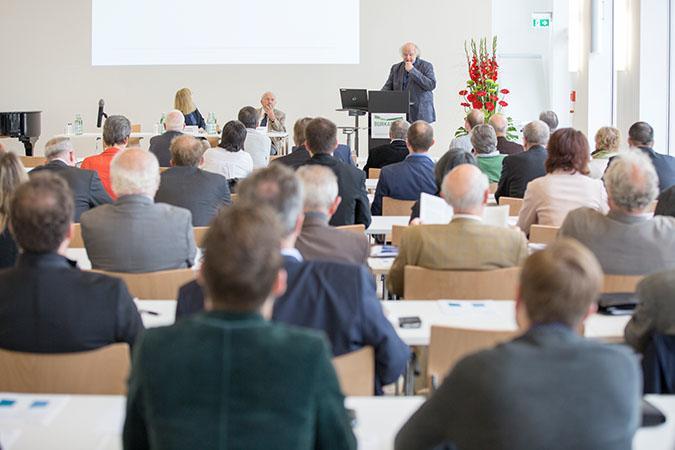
x,y
336,298
257,144
159,145
566,185
451,159
318,240
500,125
665,206
272,119
184,103
228,378
472,120
134,234
229,159
655,313
502,398
414,175
395,151
518,170
48,304
550,118
626,241
321,140
299,154
116,132
88,191
463,244
186,186
484,142
607,141
12,174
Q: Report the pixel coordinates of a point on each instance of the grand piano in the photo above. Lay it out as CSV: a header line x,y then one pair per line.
x,y
24,125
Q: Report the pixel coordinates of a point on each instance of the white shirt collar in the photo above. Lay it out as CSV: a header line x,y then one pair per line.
x,y
487,155
292,252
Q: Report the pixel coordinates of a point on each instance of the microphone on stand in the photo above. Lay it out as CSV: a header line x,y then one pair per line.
x,y
101,114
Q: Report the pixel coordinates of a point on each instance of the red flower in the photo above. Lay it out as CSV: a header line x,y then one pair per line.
x,y
463,92
494,98
505,91
503,103
466,105
490,106
481,93
478,105
471,98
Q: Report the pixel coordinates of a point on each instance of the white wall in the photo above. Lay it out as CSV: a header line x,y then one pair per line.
x,y
46,66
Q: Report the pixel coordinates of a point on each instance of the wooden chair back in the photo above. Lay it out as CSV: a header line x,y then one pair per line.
x,y
161,285
448,345
543,234
213,141
397,233
102,371
358,228
374,174
76,241
620,283
393,207
32,161
514,204
135,127
200,234
356,372
428,284
493,187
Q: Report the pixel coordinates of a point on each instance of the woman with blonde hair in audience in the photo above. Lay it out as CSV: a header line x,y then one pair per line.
x,y
607,141
12,174
186,105
566,185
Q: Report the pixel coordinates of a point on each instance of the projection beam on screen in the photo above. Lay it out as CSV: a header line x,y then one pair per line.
x,y
168,32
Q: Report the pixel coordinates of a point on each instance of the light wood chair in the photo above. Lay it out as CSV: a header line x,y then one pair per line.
x,y
161,285
163,169
135,128
32,161
514,204
620,283
448,345
428,284
200,234
234,198
374,174
393,207
493,187
397,233
543,234
76,241
213,141
356,372
358,228
102,371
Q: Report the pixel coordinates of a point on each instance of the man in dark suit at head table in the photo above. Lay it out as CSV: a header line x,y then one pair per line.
x,y
542,389
500,125
227,377
159,145
395,151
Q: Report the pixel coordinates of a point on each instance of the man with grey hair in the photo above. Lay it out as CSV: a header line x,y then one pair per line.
x,y
626,241
484,143
501,125
159,145
318,240
416,76
474,118
134,234
550,118
465,243
395,151
272,119
520,169
116,132
88,191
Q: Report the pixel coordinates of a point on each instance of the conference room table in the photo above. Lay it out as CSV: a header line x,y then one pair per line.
x,y
94,422
384,224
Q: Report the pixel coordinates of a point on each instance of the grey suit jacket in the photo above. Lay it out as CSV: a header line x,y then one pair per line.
x,y
548,389
624,245
134,234
421,84
320,241
656,311
278,125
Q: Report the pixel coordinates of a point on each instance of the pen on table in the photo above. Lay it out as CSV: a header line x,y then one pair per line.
x,y
145,311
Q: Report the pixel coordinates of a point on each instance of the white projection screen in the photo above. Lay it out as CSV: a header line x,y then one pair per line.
x,y
170,32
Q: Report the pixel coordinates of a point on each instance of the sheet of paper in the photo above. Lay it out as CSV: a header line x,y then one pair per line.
x,y
8,437
434,210
31,408
497,216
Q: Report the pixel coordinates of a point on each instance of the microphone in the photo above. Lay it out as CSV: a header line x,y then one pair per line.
x,y
101,114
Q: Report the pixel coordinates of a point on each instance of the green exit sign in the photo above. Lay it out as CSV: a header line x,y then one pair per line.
x,y
541,20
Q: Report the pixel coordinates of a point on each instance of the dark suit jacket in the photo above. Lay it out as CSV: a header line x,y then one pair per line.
x,y
520,169
507,147
664,165
8,249
195,118
548,389
405,181
88,191
201,192
666,203
320,241
234,381
300,155
159,145
421,83
655,312
386,154
338,299
354,207
47,305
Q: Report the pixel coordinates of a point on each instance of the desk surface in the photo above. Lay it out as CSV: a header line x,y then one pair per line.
x,y
383,224
144,134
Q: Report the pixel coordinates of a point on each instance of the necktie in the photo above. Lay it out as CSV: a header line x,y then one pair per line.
x,y
263,122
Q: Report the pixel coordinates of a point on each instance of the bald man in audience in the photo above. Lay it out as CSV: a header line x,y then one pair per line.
x,y
395,151
272,119
174,124
134,234
318,240
472,120
626,241
500,124
463,244
547,389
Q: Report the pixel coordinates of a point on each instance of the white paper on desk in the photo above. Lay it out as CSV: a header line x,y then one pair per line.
x,y
8,436
434,210
489,314
32,408
497,216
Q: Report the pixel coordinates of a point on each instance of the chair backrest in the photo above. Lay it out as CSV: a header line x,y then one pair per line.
x,y
428,284
514,204
163,169
397,233
393,207
543,234
161,285
76,241
102,371
358,228
33,161
356,372
448,345
493,188
620,283
200,234
135,127
374,174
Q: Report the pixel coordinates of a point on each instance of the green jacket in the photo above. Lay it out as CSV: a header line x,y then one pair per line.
x,y
491,166
230,381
